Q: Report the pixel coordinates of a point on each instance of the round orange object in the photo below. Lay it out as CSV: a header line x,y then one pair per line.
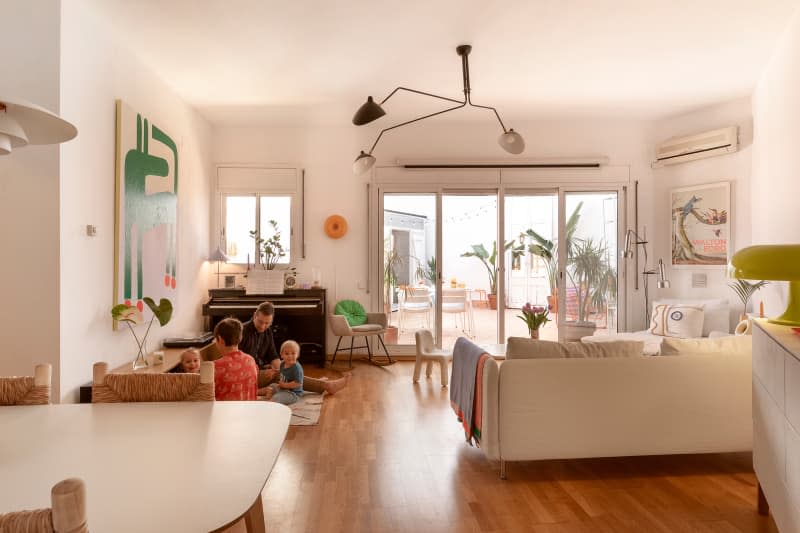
x,y
335,226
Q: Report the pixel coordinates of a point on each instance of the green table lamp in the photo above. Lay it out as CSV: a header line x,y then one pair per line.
x,y
774,262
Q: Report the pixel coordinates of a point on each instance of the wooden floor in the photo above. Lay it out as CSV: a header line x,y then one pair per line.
x,y
389,456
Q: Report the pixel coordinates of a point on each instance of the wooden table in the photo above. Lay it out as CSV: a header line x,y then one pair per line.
x,y
179,466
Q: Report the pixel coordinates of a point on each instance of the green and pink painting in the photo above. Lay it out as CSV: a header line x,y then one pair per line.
x,y
147,209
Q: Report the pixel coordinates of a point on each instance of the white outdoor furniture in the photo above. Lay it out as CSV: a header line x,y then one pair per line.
x,y
415,300
141,461
457,302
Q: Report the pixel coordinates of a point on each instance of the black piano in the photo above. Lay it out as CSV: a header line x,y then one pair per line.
x,y
300,314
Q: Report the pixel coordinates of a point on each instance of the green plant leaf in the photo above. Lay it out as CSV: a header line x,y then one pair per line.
x,y
162,311
126,313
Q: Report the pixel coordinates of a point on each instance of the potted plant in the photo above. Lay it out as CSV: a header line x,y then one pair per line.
x,y
270,250
745,290
391,262
131,315
534,317
427,272
490,262
592,276
548,250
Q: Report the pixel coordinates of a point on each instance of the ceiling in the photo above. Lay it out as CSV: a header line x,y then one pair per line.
x,y
251,61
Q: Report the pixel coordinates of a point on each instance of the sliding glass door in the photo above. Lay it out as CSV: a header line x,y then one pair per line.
x,y
443,267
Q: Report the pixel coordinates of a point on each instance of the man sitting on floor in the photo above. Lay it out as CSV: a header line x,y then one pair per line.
x,y
257,340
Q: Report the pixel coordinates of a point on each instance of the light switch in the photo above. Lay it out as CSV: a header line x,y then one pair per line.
x,y
91,230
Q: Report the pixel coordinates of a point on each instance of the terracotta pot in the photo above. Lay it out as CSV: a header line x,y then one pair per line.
x,y
492,301
390,337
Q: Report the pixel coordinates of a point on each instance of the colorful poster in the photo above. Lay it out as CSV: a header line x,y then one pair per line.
x,y
145,261
701,225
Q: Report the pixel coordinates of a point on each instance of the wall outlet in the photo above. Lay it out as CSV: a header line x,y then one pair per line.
x,y
361,285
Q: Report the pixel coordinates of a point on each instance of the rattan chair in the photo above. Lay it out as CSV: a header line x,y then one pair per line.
x,y
67,514
116,388
27,390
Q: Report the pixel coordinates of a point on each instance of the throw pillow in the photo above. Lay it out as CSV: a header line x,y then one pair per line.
x,y
682,321
716,312
730,345
525,348
352,311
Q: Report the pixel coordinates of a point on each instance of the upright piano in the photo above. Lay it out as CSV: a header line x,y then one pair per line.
x,y
300,314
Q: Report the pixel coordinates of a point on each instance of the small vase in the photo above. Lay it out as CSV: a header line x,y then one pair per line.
x,y
534,333
141,357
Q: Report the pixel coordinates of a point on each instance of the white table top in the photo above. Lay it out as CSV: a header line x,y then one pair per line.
x,y
181,466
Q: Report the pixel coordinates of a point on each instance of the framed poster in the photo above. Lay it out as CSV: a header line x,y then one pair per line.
x,y
146,248
701,225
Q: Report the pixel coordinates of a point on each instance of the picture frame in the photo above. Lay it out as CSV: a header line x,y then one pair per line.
x,y
701,216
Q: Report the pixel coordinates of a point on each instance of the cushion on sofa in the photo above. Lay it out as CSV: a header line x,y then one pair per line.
x,y
677,320
525,348
716,312
730,345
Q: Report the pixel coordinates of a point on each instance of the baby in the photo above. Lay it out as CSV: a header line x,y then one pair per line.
x,y
290,387
190,361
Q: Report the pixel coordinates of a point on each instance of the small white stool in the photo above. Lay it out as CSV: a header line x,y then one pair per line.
x,y
427,352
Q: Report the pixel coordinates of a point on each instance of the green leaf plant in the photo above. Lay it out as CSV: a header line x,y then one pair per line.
x,y
130,315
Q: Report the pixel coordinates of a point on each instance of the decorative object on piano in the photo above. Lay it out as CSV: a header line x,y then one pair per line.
x,y
270,250
130,314
146,209
316,278
745,290
264,282
230,281
219,256
290,279
335,226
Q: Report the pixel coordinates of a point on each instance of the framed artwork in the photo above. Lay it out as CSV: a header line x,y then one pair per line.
x,y
701,225
145,244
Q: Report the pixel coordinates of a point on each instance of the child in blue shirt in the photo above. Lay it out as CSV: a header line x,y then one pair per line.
x,y
290,387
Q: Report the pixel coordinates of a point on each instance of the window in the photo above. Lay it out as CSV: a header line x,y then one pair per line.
x,y
258,200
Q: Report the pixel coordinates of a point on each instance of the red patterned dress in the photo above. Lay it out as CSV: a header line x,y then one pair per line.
x,y
235,377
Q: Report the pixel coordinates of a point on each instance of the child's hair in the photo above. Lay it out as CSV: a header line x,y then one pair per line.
x,y
230,331
291,343
193,351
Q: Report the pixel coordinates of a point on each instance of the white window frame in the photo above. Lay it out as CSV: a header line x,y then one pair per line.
x,y
261,181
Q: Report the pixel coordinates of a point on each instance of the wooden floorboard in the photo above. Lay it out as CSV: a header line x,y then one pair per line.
x,y
390,456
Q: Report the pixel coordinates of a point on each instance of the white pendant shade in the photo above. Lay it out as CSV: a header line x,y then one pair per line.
x,y
23,123
218,255
512,142
363,163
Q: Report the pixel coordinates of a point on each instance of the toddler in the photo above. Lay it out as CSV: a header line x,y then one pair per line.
x,y
290,387
190,361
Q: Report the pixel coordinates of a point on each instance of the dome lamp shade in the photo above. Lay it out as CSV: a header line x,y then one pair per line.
x,y
773,262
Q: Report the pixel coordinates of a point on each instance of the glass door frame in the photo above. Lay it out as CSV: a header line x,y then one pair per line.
x,y
376,192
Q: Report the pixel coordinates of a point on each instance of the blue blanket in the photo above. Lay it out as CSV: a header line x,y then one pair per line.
x,y
466,356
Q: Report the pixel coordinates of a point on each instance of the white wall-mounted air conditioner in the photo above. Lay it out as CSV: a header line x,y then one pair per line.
x,y
690,147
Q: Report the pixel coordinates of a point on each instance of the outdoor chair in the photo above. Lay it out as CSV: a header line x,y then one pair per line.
x,y
415,300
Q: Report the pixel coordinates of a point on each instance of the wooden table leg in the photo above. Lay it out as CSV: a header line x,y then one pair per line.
x,y
254,518
763,505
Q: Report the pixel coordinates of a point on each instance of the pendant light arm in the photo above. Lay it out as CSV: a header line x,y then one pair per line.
x,y
420,92
461,104
495,114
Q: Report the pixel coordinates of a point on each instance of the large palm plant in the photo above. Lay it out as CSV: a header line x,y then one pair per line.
x,y
591,275
490,260
547,249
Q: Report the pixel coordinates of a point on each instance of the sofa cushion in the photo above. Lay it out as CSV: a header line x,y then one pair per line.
x,y
676,320
525,348
716,312
730,345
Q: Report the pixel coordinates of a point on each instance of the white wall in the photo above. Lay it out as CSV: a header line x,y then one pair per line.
x,y
776,165
29,181
97,70
729,167
327,152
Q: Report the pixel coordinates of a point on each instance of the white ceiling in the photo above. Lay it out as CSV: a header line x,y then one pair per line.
x,y
245,61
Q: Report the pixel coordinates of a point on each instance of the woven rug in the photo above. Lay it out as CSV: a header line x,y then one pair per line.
x,y
306,411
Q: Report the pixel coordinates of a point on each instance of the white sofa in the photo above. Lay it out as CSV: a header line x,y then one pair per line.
x,y
617,406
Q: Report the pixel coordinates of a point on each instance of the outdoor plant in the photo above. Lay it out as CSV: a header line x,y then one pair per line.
x,y
427,272
490,260
391,262
745,289
548,249
270,250
131,315
589,271
534,316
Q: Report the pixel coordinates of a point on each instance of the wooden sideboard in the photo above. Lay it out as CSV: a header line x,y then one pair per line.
x,y
776,422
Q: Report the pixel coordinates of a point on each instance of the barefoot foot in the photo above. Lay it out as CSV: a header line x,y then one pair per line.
x,y
335,385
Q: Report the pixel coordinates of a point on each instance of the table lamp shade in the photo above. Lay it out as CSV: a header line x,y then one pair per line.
x,y
774,262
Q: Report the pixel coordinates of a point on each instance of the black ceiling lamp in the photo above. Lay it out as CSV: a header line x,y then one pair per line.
x,y
511,141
